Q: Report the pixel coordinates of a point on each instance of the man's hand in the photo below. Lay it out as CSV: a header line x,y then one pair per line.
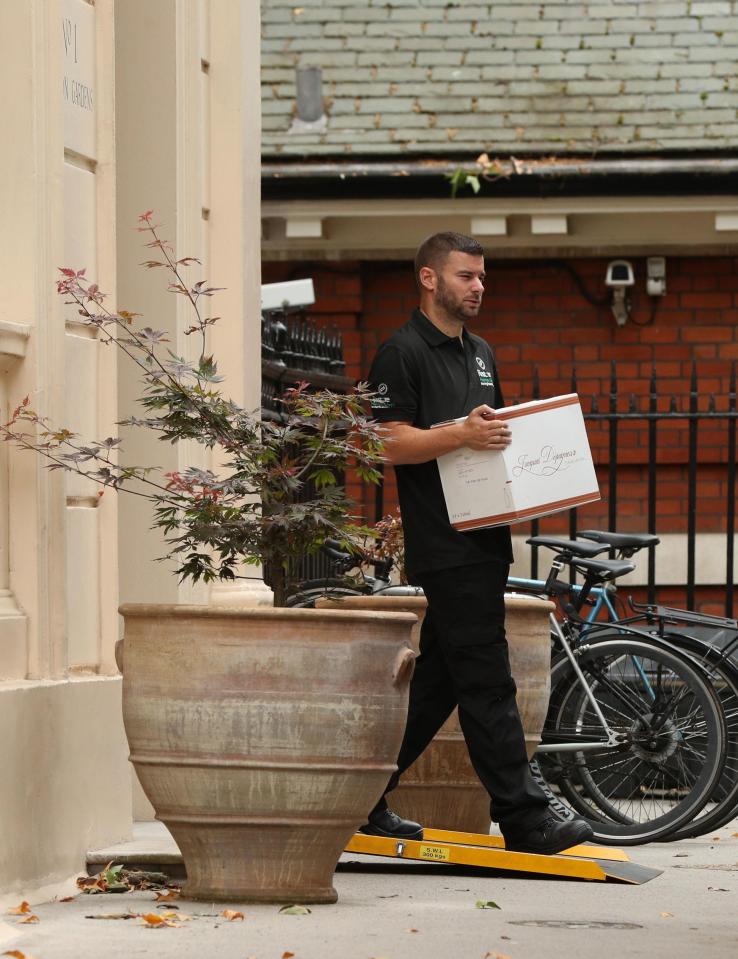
x,y
406,444
481,431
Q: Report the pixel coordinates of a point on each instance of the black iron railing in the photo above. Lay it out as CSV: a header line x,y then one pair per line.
x,y
294,350
652,417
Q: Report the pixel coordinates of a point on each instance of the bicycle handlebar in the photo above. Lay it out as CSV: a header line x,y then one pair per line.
x,y
346,561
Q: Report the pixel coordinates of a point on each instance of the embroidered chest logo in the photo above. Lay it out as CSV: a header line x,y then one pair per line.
x,y
485,378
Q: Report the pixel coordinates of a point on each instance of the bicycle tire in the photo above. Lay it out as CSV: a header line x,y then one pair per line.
x,y
305,599
721,672
687,725
722,805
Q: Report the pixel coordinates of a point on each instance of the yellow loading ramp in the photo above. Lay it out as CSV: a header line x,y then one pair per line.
x,y
593,863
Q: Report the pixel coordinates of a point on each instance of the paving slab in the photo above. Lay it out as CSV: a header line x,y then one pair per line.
x,y
394,910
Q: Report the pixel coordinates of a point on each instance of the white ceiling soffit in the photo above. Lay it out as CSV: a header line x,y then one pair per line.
x,y
594,226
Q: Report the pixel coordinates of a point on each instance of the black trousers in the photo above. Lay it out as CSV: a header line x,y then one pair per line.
x,y
464,661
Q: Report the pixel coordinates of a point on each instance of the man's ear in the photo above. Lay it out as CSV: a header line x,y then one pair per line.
x,y
428,278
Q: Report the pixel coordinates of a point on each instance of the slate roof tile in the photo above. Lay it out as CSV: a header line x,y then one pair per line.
x,y
436,77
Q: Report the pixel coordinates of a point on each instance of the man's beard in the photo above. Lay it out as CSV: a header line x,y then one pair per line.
x,y
454,306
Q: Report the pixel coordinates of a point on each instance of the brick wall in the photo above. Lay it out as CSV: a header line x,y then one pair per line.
x,y
537,317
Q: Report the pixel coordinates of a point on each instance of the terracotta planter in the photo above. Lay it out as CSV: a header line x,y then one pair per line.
x,y
263,736
441,788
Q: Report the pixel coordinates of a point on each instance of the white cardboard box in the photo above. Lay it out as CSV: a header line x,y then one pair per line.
x,y
546,468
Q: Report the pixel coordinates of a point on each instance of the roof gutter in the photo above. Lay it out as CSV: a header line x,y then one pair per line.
x,y
543,168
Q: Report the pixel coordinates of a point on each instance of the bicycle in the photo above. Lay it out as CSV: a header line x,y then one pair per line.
x,y
711,640
714,666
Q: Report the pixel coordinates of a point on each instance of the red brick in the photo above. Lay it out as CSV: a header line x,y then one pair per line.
x,y
599,334
338,304
706,301
706,334
707,351
678,283
543,284
584,353
709,265
660,334
548,353
388,282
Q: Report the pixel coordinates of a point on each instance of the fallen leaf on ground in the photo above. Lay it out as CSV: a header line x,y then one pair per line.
x,y
68,899
411,930
112,874
17,954
19,910
30,918
486,904
495,955
167,896
295,910
231,914
92,884
734,835
716,838
152,919
667,915
287,955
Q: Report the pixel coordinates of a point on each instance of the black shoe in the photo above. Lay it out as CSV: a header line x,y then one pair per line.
x,y
549,836
388,823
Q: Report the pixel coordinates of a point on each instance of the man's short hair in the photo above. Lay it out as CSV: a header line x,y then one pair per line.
x,y
434,251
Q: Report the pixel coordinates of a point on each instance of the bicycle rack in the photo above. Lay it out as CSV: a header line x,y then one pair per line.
x,y
589,862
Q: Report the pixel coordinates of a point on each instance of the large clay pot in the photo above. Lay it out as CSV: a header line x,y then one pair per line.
x,y
441,789
263,736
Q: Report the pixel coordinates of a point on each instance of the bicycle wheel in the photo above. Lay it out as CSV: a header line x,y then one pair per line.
x,y
306,598
722,805
720,670
669,745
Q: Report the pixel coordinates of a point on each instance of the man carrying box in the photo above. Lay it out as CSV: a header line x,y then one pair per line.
x,y
429,371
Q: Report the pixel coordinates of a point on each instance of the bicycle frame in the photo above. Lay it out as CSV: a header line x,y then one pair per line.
x,y
601,599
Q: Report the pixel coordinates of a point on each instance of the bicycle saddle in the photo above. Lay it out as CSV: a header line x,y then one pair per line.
x,y
626,543
602,569
567,546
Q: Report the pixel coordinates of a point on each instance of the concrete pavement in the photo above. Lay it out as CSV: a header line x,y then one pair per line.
x,y
425,911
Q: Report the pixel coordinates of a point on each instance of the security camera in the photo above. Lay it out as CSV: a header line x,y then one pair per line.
x,y
619,274
619,277
290,295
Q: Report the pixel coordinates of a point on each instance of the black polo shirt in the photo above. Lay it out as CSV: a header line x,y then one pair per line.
x,y
422,377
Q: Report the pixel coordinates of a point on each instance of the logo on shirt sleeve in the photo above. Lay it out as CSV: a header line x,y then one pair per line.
x,y
485,378
382,399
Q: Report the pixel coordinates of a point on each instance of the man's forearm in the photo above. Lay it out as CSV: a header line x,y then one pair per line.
x,y
405,444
